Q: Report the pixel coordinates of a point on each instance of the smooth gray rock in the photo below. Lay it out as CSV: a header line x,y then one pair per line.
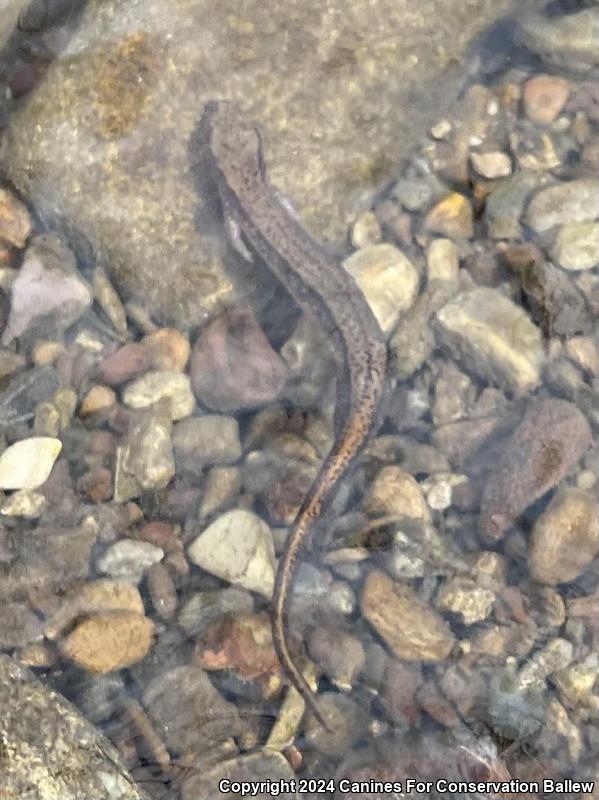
x,y
342,92
51,752
569,41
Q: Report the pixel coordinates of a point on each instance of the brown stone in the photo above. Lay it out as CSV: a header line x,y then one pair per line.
x,y
109,641
412,629
544,97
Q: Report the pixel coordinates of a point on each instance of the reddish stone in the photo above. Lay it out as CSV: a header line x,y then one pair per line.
x,y
233,365
544,97
125,363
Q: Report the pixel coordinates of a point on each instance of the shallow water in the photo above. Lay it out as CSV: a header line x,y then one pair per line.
x,y
166,404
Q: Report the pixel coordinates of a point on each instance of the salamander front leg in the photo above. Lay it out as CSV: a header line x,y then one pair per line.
x,y
236,238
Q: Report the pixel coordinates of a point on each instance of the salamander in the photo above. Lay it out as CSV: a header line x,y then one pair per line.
x,y
233,156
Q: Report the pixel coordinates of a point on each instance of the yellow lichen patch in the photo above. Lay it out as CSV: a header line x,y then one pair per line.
x,y
126,77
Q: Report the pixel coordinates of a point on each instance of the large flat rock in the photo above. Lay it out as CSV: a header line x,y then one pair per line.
x,y
49,750
342,91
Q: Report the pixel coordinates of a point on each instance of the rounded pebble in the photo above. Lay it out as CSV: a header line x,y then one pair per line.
x,y
388,279
167,349
491,165
544,97
451,216
412,629
109,641
24,503
565,538
129,559
237,547
155,385
577,245
572,201
98,398
28,463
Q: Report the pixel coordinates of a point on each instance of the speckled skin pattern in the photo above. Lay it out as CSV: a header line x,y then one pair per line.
x,y
232,155
550,439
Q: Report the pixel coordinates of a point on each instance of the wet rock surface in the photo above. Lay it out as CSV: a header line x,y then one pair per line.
x,y
551,438
52,751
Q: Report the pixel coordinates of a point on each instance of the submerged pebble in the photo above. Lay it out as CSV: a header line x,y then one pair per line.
x,y
577,246
544,96
237,547
388,280
109,641
128,559
234,366
494,337
572,201
565,538
412,630
451,216
15,221
48,286
28,463
158,384
551,438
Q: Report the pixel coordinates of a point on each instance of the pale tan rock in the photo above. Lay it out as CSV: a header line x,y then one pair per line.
x,y
24,503
584,351
467,598
494,337
411,629
147,452
109,641
15,222
564,203
577,245
98,398
396,493
46,352
565,538
388,280
28,463
442,261
237,547
158,384
491,165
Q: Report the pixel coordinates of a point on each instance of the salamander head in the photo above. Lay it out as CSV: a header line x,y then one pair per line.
x,y
233,141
